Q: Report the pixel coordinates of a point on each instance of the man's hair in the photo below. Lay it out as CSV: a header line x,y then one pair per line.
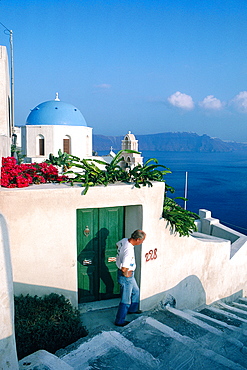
x,y
138,234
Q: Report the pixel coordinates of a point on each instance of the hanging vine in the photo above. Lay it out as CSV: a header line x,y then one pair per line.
x,y
90,174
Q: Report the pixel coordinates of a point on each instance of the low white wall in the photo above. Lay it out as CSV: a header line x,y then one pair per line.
x,y
41,222
212,226
193,270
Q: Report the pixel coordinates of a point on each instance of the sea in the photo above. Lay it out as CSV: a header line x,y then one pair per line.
x,y
216,182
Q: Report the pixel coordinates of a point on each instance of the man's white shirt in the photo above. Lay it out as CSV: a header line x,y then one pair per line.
x,y
125,255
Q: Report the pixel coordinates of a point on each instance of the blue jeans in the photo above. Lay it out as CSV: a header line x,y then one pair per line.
x,y
130,297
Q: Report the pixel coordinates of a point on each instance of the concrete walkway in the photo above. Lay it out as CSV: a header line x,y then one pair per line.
x,y
214,338
98,316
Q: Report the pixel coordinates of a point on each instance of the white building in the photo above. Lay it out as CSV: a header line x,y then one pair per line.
x,y
8,356
55,125
130,143
5,124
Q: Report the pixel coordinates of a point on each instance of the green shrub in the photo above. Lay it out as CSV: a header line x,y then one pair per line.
x,y
63,160
91,175
48,323
181,221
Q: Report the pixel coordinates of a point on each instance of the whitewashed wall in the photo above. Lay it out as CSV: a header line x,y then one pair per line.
x,y
4,92
42,226
194,271
5,130
8,356
41,223
81,140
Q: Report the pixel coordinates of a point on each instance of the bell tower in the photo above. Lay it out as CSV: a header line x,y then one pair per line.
x,y
131,159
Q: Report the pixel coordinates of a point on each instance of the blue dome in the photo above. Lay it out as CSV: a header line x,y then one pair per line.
x,y
56,112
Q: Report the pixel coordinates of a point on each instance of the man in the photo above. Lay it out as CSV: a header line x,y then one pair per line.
x,y
130,294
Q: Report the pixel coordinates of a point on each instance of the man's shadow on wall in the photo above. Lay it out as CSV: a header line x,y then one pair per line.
x,y
93,256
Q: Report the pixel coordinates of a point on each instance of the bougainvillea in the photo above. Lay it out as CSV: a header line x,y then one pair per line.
x,y
15,175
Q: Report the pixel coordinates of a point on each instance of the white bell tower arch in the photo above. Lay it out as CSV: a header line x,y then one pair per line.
x,y
131,159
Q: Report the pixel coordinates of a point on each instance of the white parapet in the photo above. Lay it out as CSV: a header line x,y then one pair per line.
x,y
204,213
212,226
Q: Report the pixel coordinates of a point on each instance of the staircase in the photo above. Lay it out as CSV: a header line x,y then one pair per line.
x,y
213,338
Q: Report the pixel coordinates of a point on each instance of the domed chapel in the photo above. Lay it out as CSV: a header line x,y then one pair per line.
x,y
54,125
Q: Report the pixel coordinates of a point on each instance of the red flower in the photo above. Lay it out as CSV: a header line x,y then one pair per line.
x,y
22,175
22,182
9,161
4,179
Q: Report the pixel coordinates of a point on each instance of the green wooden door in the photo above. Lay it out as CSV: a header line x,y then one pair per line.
x,y
98,230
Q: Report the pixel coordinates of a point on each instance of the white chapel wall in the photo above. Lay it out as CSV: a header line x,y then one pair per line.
x,y
29,140
80,140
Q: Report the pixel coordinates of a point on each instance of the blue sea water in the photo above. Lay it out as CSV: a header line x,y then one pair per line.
x,y
216,182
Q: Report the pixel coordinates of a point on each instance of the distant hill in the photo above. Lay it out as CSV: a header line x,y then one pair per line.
x,y
170,142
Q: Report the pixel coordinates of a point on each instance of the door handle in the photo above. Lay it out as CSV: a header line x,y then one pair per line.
x,y
86,232
111,259
87,262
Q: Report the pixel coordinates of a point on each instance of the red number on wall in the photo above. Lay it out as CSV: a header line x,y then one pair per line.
x,y
151,255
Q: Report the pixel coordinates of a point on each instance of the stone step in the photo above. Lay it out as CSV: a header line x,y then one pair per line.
x,y
98,305
237,311
42,360
239,305
213,338
242,300
232,319
231,330
225,316
110,350
223,330
172,349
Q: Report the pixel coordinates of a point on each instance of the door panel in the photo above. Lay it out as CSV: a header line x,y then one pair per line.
x,y
109,219
87,253
98,230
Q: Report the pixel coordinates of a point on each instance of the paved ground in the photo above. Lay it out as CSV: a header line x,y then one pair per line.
x,y
98,316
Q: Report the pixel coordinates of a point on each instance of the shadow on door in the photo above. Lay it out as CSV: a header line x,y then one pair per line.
x,y
97,270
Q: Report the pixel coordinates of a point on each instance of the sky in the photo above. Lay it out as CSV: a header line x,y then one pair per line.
x,y
145,66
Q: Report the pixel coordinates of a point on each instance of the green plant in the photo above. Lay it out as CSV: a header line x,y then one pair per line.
x,y
92,175
180,220
63,160
48,323
16,152
143,175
